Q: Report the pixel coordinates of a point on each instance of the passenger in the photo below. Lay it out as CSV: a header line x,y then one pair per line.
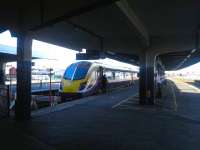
x,y
104,83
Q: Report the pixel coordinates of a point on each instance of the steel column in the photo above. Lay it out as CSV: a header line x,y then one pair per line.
x,y
147,79
142,80
2,73
24,52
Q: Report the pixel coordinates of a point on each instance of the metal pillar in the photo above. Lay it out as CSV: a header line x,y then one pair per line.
x,y
146,79
24,52
150,85
160,73
142,80
2,73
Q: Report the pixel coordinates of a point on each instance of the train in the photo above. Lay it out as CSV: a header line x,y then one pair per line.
x,y
83,78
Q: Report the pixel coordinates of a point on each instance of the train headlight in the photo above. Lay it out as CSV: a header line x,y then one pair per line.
x,y
82,86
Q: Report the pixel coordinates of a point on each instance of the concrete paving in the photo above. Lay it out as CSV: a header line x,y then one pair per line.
x,y
187,99
112,121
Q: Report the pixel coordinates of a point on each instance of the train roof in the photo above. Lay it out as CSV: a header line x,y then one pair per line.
x,y
112,68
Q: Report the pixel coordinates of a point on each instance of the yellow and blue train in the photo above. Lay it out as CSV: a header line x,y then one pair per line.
x,y
82,78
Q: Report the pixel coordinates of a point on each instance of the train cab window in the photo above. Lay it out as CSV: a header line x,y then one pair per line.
x,y
81,70
70,71
77,71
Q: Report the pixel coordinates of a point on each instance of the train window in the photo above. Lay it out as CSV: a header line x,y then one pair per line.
x,y
97,74
108,75
117,75
93,75
81,71
77,71
92,80
70,71
120,76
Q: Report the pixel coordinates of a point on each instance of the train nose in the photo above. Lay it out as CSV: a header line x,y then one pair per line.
x,y
71,86
68,83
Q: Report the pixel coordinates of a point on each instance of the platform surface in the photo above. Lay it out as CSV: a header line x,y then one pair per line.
x,y
113,121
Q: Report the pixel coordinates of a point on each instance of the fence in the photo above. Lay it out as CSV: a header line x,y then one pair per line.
x,y
4,101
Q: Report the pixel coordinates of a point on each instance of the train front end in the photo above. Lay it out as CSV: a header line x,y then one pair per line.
x,y
74,80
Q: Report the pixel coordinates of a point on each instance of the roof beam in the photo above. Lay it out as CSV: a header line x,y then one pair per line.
x,y
73,13
2,29
128,11
185,59
87,31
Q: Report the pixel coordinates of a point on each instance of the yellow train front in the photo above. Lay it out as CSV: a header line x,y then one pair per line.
x,y
79,79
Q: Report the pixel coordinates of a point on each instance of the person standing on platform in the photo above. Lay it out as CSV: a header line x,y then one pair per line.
x,y
104,83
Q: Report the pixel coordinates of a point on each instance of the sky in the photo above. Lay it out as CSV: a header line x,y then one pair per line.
x,y
53,55
191,70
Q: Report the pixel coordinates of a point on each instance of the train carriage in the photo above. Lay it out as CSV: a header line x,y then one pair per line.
x,y
83,78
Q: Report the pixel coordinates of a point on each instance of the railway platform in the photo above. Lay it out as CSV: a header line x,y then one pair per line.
x,y
111,121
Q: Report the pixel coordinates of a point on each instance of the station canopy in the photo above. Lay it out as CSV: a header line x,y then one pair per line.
x,y
127,26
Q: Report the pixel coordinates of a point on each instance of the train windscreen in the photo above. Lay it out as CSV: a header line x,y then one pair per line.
x,y
70,71
77,71
81,71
